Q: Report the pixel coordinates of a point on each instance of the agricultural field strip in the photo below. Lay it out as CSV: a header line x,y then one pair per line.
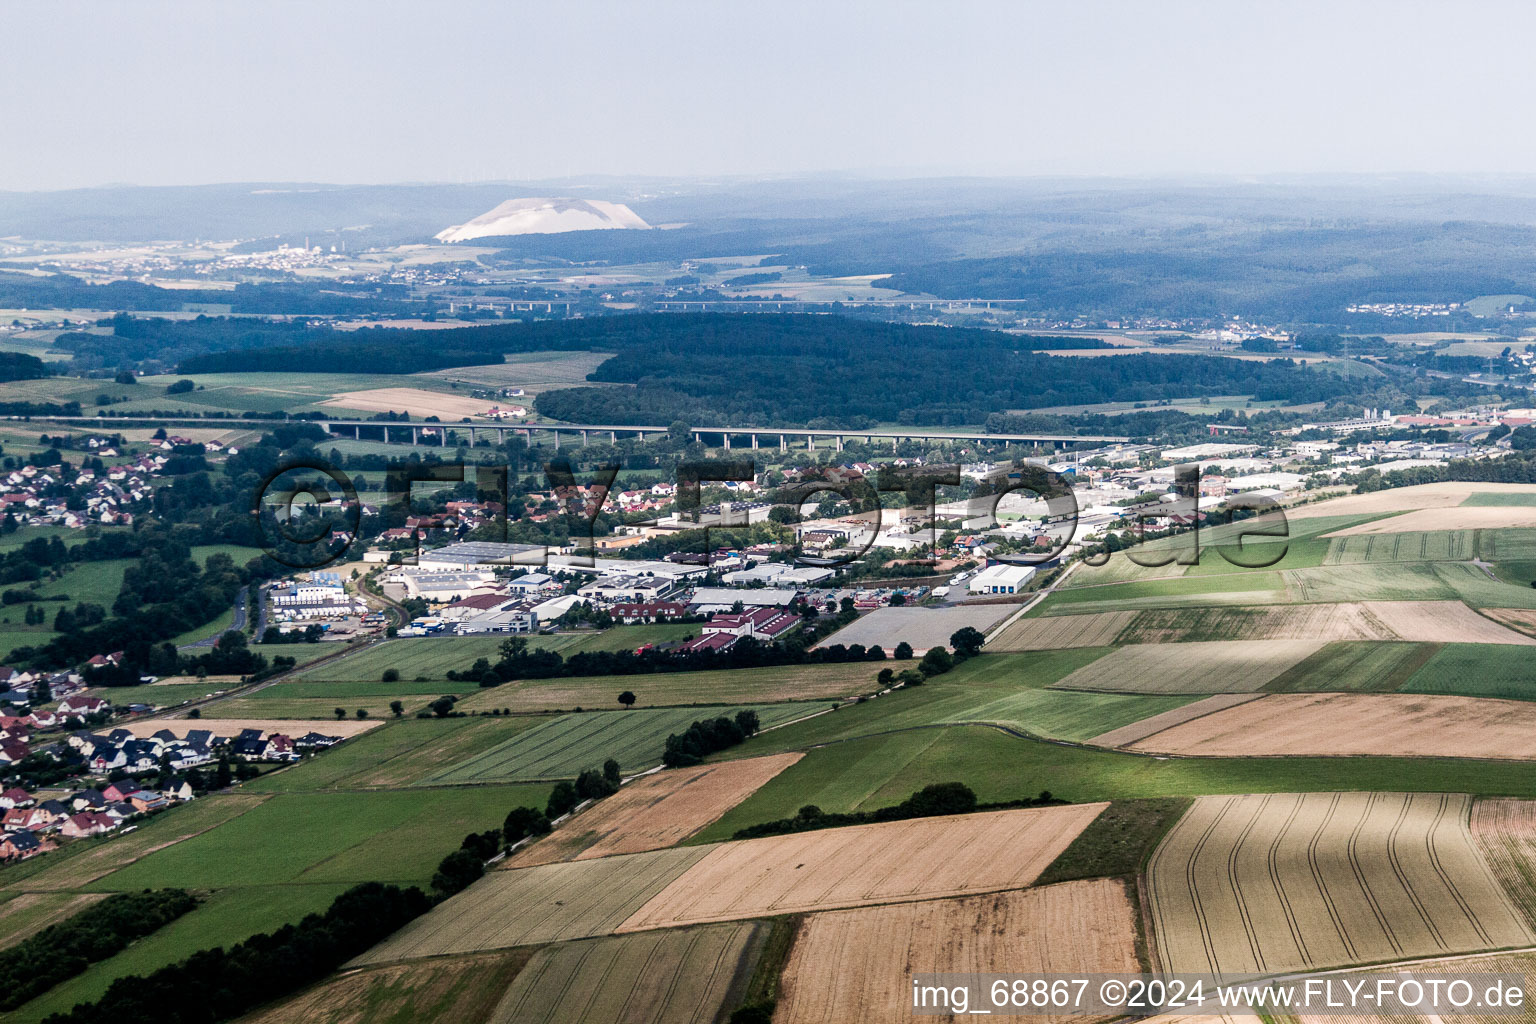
x,y
1061,631
1505,830
864,864
550,903
1446,520
1128,734
855,966
654,812
1445,495
680,976
564,746
1342,724
67,870
1349,547
1217,666
1282,882
1341,621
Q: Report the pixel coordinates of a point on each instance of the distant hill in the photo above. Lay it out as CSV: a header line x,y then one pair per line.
x,y
545,217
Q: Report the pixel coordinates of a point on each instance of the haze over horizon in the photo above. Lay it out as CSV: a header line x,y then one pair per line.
x,y
181,93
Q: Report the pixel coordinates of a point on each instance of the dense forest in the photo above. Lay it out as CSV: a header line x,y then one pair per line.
x,y
21,366
63,291
822,371
1293,274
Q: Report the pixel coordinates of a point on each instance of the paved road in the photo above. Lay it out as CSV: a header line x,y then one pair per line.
x,y
241,600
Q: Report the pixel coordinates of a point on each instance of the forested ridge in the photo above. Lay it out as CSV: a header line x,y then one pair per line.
x,y
784,369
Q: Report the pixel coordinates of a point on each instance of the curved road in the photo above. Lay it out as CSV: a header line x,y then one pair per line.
x,y
242,600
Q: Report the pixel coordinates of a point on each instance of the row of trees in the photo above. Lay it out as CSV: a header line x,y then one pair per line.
x,y
219,984
63,950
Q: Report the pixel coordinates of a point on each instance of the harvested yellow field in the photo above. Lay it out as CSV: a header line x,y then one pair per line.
x,y
678,976
850,867
1386,724
550,903
1217,666
855,966
417,402
1462,517
1521,619
1286,882
1447,494
1128,734
655,812
463,990
1505,830
1060,631
1324,622
1522,964
1442,622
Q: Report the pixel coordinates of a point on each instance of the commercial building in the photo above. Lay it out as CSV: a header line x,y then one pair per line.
x,y
1001,579
481,554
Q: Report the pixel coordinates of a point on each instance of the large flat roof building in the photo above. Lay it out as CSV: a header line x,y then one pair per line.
x,y
476,554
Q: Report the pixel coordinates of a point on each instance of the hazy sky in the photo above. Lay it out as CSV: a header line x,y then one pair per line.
x,y
368,91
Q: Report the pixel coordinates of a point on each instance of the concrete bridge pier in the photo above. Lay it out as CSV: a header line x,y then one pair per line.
x,y
415,435
783,445
754,442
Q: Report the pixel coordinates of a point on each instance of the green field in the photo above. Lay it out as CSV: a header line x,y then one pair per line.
x,y
308,838
1296,553
1478,670
880,770
78,864
1247,587
1472,585
1357,666
672,689
1373,581
399,754
562,747
1001,689
1441,546
432,657
160,694
268,704
1501,498
229,916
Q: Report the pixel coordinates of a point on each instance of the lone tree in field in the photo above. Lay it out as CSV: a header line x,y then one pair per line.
x,y
391,675
903,651
627,698
362,712
340,713
397,707
967,641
